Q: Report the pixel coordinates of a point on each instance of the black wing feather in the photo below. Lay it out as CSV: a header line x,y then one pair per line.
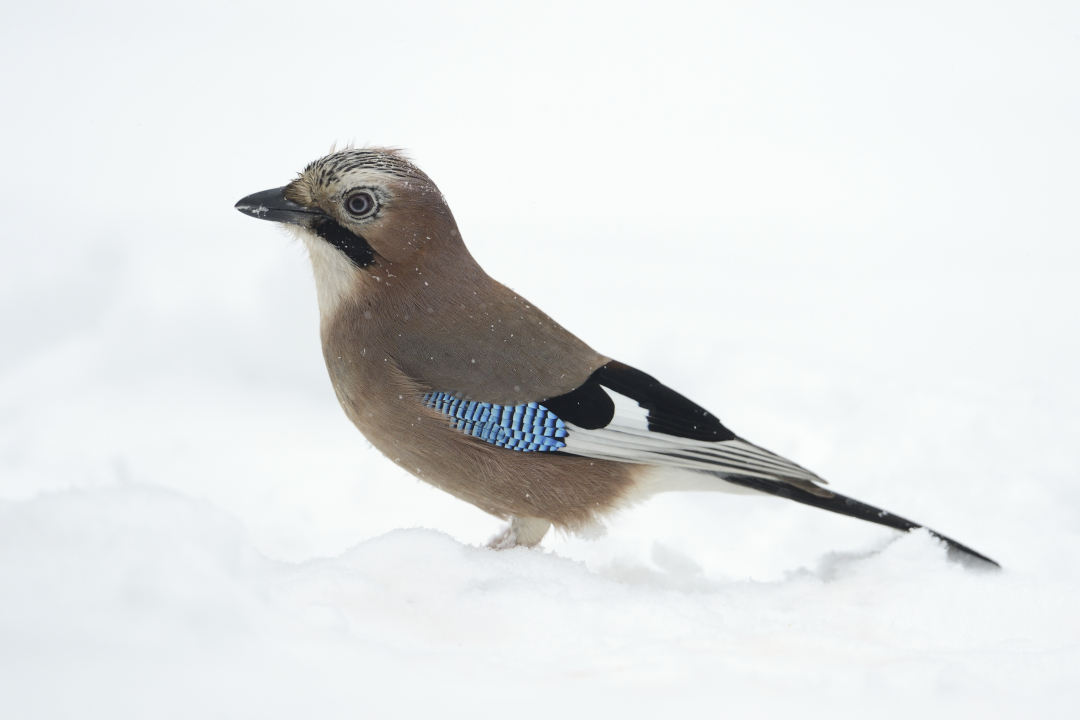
x,y
670,413
587,406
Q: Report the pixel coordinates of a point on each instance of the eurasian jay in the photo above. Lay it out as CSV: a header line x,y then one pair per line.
x,y
470,387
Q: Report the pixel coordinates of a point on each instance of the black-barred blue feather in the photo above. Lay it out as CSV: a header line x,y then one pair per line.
x,y
527,428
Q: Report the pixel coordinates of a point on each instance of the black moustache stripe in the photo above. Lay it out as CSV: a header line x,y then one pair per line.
x,y
354,246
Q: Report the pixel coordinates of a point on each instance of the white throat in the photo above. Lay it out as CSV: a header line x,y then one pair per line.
x,y
336,276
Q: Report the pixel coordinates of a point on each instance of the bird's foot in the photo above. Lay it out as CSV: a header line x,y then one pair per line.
x,y
520,532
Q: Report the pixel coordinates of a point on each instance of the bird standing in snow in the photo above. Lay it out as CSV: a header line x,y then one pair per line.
x,y
470,387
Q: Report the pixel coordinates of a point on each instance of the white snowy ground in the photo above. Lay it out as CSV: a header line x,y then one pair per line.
x,y
850,232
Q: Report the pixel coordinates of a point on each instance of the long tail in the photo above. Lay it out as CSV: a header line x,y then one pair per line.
x,y
848,506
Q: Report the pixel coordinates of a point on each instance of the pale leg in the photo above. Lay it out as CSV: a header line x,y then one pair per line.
x,y
524,532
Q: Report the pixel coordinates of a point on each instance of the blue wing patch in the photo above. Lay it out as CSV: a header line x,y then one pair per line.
x,y
528,428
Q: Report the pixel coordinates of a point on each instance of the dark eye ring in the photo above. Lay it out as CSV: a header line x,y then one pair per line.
x,y
360,204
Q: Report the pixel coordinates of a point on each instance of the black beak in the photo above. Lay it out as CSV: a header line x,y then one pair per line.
x,y
273,205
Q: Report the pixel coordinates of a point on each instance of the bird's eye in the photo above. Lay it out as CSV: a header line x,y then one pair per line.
x,y
360,204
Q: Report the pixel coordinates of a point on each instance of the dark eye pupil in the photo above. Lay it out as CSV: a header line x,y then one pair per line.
x,y
360,204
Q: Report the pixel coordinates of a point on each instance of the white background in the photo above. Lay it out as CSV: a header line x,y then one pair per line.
x,y
851,230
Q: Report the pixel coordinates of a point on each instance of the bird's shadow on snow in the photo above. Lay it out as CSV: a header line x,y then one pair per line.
x,y
833,566
671,569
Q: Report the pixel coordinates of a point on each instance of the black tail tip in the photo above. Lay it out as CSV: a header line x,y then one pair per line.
x,y
965,556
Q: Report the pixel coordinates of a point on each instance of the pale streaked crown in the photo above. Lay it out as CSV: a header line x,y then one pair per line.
x,y
325,181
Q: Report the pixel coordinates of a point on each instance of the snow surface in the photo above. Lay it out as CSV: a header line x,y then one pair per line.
x,y
849,231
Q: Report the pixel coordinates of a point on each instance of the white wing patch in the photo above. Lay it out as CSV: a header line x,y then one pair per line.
x,y
627,438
